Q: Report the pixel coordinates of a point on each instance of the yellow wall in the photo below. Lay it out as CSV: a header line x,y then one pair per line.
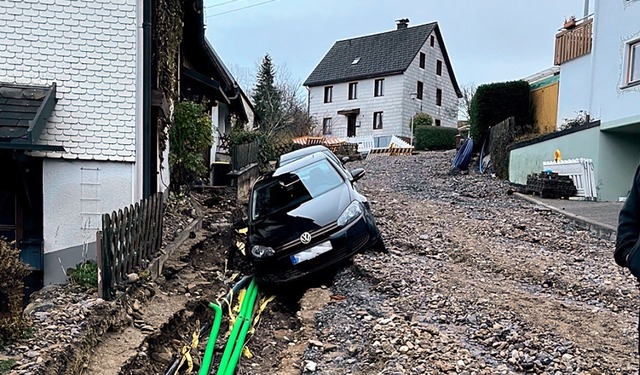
x,y
545,107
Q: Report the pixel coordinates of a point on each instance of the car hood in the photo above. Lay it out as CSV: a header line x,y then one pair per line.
x,y
312,215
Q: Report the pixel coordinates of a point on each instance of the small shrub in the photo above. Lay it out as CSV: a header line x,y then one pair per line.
x,y
580,119
190,135
12,273
6,365
85,275
435,138
420,121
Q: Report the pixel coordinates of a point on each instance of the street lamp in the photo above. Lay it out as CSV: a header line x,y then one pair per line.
x,y
413,96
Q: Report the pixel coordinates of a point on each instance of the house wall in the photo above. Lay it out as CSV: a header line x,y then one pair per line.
x,y
88,48
447,113
619,158
390,103
75,195
616,24
573,94
544,101
526,160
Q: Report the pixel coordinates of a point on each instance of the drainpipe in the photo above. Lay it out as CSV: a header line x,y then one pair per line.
x,y
586,9
146,99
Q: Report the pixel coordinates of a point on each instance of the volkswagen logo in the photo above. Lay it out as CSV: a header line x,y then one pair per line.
x,y
305,238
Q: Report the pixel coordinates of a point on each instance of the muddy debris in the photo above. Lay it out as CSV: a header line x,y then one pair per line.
x,y
477,281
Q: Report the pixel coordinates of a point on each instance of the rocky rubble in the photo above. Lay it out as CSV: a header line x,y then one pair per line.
x,y
477,281
67,320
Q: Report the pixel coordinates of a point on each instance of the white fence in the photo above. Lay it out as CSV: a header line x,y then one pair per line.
x,y
397,142
580,171
364,142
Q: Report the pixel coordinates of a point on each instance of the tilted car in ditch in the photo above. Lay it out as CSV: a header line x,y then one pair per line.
x,y
306,216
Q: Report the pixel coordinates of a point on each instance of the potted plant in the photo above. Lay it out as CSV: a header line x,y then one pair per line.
x,y
570,23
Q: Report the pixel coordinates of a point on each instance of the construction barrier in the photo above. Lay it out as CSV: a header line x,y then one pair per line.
x,y
392,150
581,172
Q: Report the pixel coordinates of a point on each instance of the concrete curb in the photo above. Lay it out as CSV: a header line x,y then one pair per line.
x,y
598,229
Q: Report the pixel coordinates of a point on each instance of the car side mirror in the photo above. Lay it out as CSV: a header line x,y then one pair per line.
x,y
357,173
239,224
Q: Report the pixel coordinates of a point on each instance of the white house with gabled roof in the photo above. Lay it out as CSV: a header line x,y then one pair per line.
x,y
373,85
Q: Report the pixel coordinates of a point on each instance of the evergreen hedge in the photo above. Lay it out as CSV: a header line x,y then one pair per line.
x,y
435,138
495,102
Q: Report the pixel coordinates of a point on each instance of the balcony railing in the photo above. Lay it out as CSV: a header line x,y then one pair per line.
x,y
575,42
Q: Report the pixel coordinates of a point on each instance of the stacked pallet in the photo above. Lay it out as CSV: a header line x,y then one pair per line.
x,y
550,185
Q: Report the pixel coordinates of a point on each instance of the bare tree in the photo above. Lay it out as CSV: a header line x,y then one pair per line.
x,y
280,105
468,91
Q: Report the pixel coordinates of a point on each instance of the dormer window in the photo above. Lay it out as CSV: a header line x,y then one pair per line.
x,y
355,61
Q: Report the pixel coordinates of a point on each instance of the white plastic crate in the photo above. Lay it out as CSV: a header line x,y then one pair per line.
x,y
581,172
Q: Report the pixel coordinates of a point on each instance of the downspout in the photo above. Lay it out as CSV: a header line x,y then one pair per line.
x,y
586,9
146,99
308,101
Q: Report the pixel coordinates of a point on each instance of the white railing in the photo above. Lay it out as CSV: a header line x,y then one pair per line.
x,y
397,142
364,142
581,173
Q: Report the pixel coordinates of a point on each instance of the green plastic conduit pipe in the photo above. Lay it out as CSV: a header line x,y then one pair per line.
x,y
228,350
213,336
237,350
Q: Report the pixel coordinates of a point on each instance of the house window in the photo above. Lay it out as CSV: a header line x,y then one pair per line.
x,y
423,59
377,120
437,122
379,87
634,63
353,90
439,67
438,97
419,90
326,125
432,41
328,94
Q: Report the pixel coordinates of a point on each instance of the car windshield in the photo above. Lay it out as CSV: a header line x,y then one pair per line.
x,y
290,190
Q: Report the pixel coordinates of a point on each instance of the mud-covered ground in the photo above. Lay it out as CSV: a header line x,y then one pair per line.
x,y
477,281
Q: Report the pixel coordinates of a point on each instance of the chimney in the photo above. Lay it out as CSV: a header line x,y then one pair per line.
x,y
402,23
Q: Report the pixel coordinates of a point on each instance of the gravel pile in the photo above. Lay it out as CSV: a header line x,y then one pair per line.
x,y
477,281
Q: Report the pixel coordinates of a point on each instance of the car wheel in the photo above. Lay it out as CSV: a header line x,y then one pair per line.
x,y
380,246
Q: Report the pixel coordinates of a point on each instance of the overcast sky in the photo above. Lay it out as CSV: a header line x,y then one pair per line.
x,y
487,40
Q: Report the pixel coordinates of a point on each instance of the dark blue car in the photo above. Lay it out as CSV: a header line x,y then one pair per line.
x,y
307,216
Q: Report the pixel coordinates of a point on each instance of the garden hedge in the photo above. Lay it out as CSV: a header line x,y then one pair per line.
x,y
495,102
435,138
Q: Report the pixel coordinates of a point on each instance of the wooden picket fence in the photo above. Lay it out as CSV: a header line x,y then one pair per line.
x,y
244,155
129,240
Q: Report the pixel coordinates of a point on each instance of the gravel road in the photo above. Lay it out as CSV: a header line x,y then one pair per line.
x,y
477,281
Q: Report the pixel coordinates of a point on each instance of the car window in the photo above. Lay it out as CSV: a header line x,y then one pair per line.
x,y
290,190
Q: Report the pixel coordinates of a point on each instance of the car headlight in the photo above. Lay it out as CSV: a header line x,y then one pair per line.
x,y
260,251
352,212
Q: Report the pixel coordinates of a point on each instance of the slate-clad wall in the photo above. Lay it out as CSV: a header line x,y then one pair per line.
x,y
389,103
88,48
397,104
447,113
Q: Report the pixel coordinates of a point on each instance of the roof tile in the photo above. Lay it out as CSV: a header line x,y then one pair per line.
x,y
379,54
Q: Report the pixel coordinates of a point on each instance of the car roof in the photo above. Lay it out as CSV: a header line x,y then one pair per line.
x,y
297,154
301,162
